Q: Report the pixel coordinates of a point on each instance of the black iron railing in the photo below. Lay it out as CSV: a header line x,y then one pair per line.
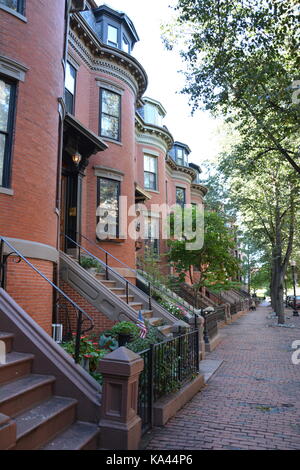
x,y
130,288
167,366
61,299
150,286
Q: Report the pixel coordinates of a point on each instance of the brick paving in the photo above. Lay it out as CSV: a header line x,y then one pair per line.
x,y
252,401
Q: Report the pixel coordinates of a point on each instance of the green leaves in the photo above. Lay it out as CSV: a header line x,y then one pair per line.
x,y
241,59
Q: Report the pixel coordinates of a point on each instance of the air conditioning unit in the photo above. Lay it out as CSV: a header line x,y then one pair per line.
x,y
78,5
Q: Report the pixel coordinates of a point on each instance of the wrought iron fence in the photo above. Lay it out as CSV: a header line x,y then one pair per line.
x,y
167,366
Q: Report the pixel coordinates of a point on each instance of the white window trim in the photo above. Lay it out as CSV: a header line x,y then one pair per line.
x,y
14,13
13,69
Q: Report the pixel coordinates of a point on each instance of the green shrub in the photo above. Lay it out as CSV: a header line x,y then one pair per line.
x,y
125,328
87,262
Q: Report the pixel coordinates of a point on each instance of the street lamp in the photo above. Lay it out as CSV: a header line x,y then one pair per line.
x,y
293,265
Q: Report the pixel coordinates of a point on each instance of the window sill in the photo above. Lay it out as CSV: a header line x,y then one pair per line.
x,y
151,190
117,142
8,191
14,13
112,240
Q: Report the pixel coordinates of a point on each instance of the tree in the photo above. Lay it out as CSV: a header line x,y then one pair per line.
x,y
242,61
215,262
268,197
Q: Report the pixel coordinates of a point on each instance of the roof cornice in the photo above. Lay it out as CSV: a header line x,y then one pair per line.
x,y
183,169
161,132
199,187
103,51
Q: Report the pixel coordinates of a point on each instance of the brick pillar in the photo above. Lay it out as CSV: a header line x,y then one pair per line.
x,y
120,425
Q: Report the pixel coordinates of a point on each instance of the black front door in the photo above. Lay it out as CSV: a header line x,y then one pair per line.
x,y
69,210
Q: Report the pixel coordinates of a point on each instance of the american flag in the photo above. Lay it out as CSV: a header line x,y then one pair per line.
x,y
141,325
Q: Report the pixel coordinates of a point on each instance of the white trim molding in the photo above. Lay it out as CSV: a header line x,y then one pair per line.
x,y
12,68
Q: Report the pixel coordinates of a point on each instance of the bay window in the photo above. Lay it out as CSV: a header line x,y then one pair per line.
x,y
150,172
7,110
110,112
180,196
108,192
16,5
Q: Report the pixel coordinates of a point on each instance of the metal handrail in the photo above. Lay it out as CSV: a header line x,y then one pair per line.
x,y
79,311
135,271
128,284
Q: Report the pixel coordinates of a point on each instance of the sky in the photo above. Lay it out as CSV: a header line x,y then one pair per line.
x,y
199,132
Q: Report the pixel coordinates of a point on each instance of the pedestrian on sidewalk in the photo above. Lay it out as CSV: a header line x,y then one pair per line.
x,y
253,305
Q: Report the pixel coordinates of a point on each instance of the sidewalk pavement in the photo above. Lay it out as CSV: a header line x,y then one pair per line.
x,y
252,401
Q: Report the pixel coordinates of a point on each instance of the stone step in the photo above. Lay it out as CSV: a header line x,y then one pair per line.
x,y
17,365
155,321
44,422
136,305
147,314
8,339
109,284
22,394
100,276
79,436
117,290
166,330
124,297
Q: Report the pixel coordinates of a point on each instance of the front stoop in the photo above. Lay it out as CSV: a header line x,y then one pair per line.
x,y
31,416
167,407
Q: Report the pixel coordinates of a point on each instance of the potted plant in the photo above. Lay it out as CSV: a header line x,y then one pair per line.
x,y
90,264
125,331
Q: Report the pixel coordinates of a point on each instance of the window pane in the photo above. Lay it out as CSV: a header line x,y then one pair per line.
x,y
69,101
108,207
2,149
70,78
5,91
125,45
110,127
180,196
150,163
112,35
13,4
110,103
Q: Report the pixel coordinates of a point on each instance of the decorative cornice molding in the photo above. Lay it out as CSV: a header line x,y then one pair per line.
x,y
154,131
199,187
91,49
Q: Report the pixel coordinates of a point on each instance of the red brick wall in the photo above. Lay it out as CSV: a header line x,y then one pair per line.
x,y
101,321
31,291
38,44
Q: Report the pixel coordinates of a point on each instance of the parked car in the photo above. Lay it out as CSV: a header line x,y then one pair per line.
x,y
290,301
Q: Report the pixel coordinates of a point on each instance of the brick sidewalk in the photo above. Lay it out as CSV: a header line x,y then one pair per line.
x,y
253,400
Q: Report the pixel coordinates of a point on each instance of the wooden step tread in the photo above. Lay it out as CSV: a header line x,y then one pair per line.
x,y
20,386
33,418
15,358
76,437
4,335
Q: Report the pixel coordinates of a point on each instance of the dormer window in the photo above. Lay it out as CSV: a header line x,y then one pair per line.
x,y
180,156
112,35
125,44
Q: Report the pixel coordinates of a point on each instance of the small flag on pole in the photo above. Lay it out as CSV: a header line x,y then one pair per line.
x,y
141,325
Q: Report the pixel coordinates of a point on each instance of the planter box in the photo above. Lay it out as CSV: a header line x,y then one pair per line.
x,y
167,407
